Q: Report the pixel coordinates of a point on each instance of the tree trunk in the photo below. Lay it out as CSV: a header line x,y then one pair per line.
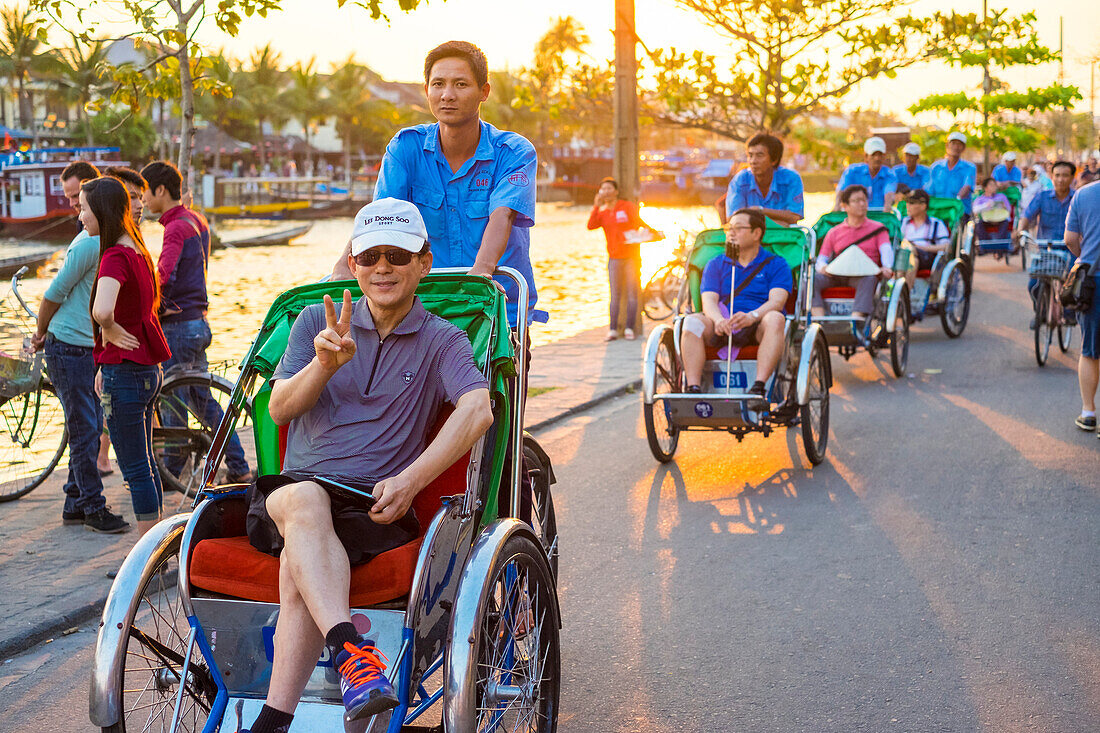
x,y
26,108
309,151
347,158
89,139
187,113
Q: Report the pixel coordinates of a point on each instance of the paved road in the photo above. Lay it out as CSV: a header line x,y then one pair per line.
x,y
937,573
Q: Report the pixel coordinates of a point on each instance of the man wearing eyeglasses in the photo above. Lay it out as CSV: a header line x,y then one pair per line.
x,y
360,392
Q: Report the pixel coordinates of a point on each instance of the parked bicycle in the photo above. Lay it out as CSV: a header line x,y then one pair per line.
x,y
35,440
1049,262
668,286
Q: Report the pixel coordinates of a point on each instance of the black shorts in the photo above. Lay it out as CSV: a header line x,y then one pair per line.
x,y
361,536
744,337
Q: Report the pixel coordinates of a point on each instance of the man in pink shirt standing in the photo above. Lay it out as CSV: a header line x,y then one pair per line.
x,y
855,231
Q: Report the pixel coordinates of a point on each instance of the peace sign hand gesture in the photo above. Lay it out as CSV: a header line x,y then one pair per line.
x,y
334,346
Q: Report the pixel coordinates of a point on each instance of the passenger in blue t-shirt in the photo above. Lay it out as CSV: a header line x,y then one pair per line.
x,y
764,185
1007,173
954,177
873,174
756,315
911,173
473,184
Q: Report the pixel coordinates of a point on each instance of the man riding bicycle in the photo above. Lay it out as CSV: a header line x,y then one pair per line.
x,y
359,392
1047,212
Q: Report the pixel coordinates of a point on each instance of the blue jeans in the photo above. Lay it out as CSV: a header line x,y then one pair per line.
x,y
72,371
188,341
624,275
129,401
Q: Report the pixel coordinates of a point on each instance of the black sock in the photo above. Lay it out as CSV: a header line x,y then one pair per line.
x,y
757,386
338,635
271,720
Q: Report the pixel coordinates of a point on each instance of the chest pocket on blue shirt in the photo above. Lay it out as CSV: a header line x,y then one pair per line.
x,y
430,204
477,213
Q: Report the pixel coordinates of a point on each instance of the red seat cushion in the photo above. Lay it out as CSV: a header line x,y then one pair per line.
x,y
746,353
924,274
838,293
233,567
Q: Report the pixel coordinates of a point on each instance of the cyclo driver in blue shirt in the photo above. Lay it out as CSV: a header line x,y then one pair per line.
x,y
952,177
765,185
360,392
473,184
911,173
879,179
763,282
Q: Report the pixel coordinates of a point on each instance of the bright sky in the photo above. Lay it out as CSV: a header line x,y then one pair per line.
x,y
508,29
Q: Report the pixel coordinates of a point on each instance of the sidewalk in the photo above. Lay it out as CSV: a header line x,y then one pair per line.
x,y
53,577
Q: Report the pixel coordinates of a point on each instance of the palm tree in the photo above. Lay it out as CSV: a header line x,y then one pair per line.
x,y
264,84
305,102
221,106
83,71
350,99
22,55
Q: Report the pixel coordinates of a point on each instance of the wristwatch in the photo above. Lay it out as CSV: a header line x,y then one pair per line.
x,y
755,315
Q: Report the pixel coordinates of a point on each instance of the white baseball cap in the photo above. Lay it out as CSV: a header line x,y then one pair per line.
x,y
874,145
1010,155
957,136
390,222
911,149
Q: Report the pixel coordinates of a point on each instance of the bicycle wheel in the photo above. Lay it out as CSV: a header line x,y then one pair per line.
x,y
33,441
189,409
1044,331
655,306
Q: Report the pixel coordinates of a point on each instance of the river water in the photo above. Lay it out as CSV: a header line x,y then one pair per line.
x,y
569,261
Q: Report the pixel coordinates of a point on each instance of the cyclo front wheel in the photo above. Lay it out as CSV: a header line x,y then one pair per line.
x,y
155,643
661,434
33,442
189,408
815,413
899,339
955,308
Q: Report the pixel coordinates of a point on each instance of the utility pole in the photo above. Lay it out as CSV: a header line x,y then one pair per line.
x,y
987,88
625,168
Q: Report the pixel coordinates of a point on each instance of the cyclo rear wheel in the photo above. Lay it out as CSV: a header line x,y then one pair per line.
x,y
33,441
815,413
543,519
660,433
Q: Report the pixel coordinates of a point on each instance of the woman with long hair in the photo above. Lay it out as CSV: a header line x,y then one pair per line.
x,y
129,343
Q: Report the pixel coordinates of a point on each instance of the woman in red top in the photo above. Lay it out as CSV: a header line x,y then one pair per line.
x,y
129,344
621,224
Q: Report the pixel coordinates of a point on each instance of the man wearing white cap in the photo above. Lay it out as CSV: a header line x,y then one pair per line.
x,y
954,177
1007,173
877,178
359,392
911,173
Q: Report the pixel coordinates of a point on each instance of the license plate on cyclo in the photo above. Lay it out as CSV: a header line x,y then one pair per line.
x,y
738,380
840,307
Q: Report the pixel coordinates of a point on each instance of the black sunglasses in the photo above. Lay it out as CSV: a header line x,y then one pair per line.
x,y
396,257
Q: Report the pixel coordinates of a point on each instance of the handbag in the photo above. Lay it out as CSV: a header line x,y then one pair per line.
x,y
1079,288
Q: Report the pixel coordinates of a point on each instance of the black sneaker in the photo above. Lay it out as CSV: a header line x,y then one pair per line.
x,y
694,389
1086,423
1031,326
72,518
759,391
105,522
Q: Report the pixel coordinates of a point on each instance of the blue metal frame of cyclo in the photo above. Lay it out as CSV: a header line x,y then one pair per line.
x,y
217,708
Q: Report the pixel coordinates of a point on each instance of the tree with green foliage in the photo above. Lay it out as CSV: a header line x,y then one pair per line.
x,y
23,54
349,95
990,113
306,102
82,72
134,135
784,60
261,95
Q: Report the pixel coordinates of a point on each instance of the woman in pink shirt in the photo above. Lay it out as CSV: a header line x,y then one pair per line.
x,y
855,231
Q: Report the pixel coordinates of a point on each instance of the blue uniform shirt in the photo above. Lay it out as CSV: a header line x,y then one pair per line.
x,y
456,206
1050,213
1084,219
947,182
784,194
774,274
1001,173
919,179
881,185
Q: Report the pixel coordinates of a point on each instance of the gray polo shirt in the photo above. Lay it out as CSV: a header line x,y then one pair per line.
x,y
372,418
1084,219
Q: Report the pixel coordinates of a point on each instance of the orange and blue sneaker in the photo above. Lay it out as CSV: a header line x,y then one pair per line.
x,y
363,684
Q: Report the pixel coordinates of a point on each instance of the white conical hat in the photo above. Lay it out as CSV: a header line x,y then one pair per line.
x,y
852,262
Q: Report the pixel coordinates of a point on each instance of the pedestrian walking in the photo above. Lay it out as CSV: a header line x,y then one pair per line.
x,y
1083,239
129,343
182,267
64,333
624,231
